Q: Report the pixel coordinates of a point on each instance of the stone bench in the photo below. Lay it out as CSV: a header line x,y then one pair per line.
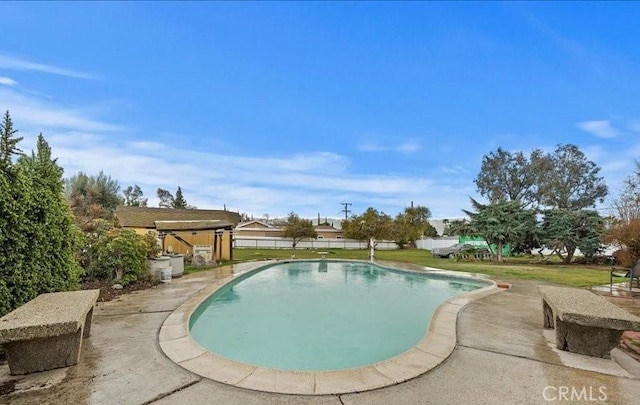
x,y
46,332
585,322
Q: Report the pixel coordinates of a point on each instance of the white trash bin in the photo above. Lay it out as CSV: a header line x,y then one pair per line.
x,y
165,275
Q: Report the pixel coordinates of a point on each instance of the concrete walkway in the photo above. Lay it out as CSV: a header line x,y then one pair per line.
x,y
503,357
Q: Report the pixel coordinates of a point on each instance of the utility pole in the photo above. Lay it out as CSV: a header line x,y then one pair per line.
x,y
346,209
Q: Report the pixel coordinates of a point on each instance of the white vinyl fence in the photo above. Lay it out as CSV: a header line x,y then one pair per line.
x,y
431,243
256,242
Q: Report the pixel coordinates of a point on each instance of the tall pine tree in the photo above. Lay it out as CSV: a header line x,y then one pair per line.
x,y
179,201
8,142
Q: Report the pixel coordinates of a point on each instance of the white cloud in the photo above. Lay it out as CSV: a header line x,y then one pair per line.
x,y
615,166
371,147
457,169
147,145
306,183
634,125
7,81
409,147
602,128
44,115
406,147
20,64
594,152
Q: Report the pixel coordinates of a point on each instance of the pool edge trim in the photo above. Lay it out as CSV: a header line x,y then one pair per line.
x,y
433,349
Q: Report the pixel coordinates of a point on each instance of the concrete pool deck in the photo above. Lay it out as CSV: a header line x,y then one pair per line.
x,y
502,355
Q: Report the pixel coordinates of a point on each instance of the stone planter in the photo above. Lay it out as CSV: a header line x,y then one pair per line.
x,y
158,264
177,265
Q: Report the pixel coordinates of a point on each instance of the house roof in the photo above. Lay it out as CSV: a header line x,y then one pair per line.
x,y
193,225
145,217
325,227
254,224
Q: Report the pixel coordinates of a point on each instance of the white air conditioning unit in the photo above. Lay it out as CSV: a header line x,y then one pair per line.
x,y
204,251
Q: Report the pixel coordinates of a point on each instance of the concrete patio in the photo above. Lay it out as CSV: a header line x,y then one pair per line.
x,y
503,355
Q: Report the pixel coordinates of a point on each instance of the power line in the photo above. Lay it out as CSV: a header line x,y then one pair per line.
x,y
346,209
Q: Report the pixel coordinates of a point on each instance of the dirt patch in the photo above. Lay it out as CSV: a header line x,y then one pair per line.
x,y
108,293
7,387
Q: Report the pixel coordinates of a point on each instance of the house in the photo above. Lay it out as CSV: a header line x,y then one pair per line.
x,y
328,231
259,229
184,231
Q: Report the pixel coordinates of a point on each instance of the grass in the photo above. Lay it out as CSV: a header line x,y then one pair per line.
x,y
188,268
514,268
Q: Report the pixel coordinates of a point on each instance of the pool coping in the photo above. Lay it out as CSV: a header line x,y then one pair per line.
x,y
433,349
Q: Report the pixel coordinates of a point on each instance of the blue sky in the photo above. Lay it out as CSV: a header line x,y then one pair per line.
x,y
280,107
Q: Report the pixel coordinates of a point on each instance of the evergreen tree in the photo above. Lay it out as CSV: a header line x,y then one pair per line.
x,y
13,187
37,235
51,232
500,223
565,230
8,142
179,201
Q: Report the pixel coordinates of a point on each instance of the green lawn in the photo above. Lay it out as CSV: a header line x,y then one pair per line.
x,y
520,268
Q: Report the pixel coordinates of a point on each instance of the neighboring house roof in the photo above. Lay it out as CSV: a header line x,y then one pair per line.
x,y
334,222
145,217
325,227
254,225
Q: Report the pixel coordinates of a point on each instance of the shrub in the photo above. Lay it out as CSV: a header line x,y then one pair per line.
x,y
151,243
120,253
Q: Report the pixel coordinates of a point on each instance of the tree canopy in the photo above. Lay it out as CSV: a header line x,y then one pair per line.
x,y
371,225
564,230
133,196
624,226
167,200
500,223
562,179
509,176
92,197
564,182
298,229
410,225
569,181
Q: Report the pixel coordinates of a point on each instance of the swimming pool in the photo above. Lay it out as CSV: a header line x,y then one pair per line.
x,y
437,344
322,315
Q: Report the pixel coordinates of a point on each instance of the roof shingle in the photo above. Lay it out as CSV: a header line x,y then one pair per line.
x,y
145,217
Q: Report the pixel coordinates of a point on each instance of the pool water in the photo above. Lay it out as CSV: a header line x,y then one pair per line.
x,y
322,315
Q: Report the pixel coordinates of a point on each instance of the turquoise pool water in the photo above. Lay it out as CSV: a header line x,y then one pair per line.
x,y
321,315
